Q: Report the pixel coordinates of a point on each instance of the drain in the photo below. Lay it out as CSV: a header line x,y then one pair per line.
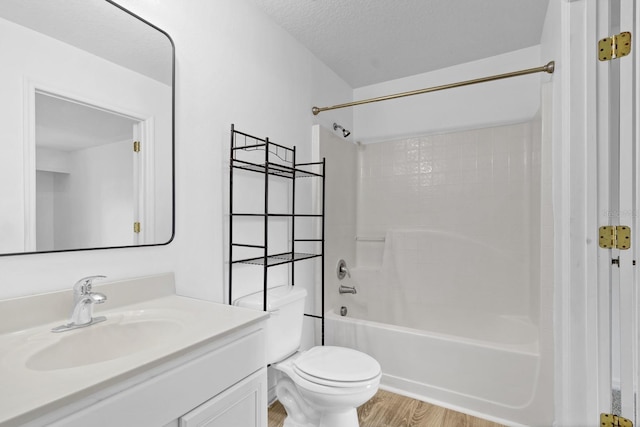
x,y
343,311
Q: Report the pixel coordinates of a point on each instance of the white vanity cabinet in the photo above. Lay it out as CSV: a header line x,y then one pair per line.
x,y
159,359
223,384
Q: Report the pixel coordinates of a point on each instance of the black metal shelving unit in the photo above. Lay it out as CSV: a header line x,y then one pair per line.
x,y
279,161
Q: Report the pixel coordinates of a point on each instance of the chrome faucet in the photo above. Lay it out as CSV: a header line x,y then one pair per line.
x,y
347,289
83,300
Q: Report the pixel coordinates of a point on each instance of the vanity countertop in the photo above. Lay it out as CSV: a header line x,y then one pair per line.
x,y
172,325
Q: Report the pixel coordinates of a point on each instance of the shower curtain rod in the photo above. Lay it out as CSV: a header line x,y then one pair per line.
x,y
548,68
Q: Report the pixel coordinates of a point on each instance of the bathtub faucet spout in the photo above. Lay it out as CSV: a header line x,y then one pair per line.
x,y
347,289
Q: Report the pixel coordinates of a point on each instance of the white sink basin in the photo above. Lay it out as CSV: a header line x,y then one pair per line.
x,y
120,335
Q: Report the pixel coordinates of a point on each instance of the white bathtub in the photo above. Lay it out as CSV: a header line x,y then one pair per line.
x,y
479,364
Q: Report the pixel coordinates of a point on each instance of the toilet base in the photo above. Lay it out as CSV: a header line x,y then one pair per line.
x,y
301,414
342,419
289,422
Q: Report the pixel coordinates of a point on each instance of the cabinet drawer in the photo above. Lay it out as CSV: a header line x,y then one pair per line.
x,y
167,396
243,405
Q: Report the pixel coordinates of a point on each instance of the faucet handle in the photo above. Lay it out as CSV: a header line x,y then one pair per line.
x,y
342,270
83,286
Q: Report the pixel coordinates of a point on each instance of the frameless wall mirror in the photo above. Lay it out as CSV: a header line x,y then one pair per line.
x,y
86,140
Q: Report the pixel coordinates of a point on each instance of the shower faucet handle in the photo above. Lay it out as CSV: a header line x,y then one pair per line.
x,y
342,270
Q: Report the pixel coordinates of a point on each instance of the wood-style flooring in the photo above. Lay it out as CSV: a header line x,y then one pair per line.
x,y
388,409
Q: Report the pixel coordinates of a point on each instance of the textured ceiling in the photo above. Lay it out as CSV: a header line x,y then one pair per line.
x,y
371,41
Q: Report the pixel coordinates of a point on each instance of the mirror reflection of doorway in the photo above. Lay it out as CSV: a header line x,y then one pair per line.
x,y
86,187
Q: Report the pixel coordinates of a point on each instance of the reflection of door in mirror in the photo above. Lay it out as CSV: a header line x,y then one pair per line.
x,y
88,191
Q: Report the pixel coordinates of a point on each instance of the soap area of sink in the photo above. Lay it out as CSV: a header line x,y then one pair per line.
x,y
146,325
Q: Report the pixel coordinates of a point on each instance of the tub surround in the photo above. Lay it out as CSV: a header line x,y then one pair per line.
x,y
448,265
34,388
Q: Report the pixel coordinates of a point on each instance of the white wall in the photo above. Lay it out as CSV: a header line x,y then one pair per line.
x,y
34,59
234,65
470,107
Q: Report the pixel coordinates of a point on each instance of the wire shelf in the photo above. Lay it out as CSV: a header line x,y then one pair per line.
x,y
274,169
278,259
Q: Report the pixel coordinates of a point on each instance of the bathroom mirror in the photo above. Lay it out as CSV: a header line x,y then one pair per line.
x,y
87,136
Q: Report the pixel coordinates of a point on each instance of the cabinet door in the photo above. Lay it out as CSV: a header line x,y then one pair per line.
x,y
243,405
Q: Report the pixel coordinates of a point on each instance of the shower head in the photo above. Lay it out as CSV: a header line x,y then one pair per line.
x,y
345,133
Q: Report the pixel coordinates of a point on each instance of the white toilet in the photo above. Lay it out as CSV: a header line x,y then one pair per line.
x,y
320,387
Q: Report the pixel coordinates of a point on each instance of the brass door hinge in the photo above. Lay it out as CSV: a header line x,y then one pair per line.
x,y
136,227
610,420
615,236
136,146
614,47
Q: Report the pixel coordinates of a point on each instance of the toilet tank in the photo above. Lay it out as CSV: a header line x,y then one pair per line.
x,y
285,305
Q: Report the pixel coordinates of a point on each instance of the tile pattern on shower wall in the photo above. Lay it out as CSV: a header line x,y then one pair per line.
x,y
474,185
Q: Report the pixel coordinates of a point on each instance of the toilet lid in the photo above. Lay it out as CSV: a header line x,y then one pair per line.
x,y
336,364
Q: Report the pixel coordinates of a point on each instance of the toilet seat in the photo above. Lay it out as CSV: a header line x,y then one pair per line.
x,y
337,367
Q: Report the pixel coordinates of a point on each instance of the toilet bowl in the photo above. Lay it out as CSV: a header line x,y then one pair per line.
x,y
319,387
323,386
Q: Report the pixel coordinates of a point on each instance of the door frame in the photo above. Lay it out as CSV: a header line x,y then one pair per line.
x,y
582,271
144,165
